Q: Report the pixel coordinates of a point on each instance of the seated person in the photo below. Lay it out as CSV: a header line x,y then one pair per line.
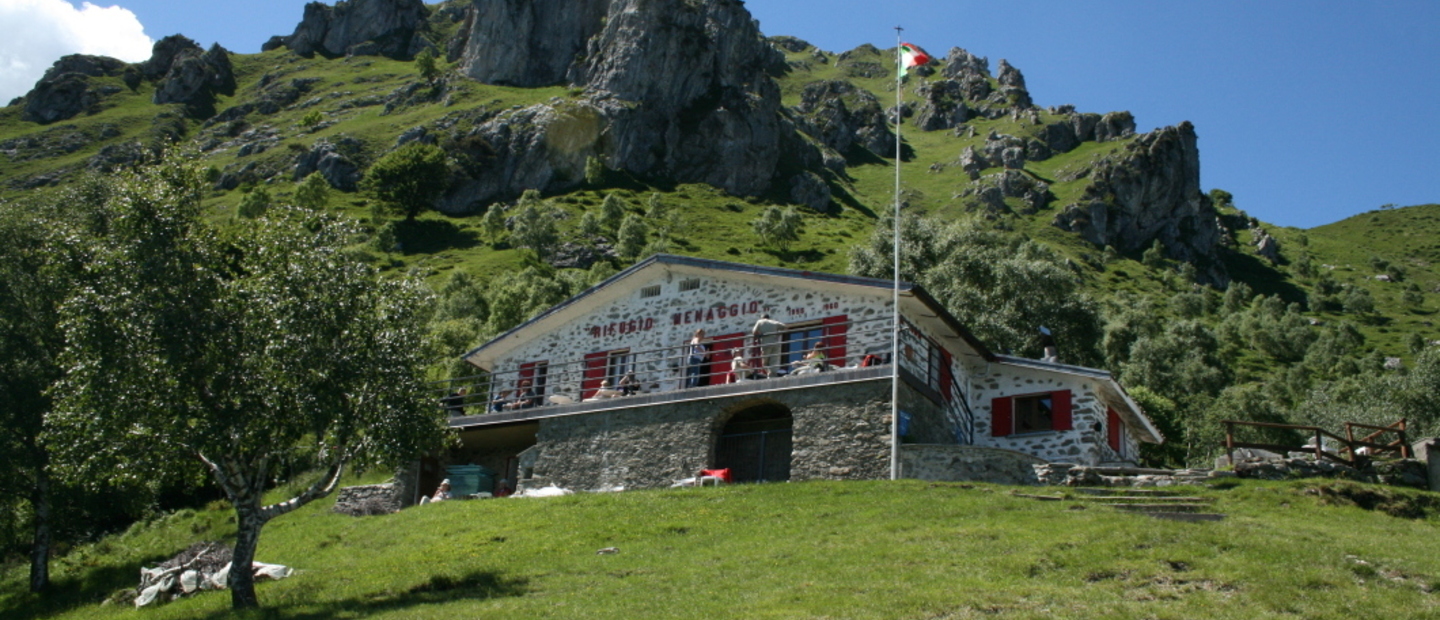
x,y
442,493
525,397
605,391
502,401
739,366
628,385
814,361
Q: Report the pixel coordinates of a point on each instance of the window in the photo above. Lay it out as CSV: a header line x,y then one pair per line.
x,y
617,364
800,339
1034,414
689,285
650,291
1030,413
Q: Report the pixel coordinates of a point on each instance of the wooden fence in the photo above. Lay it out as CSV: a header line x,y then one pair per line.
x,y
1354,451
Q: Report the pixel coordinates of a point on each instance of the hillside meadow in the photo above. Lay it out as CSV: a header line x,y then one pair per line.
x,y
908,549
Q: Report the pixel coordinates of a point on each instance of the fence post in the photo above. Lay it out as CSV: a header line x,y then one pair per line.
x,y
1230,443
1319,447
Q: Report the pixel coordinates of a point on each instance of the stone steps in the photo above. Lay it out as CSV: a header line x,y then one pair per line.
x,y
1157,503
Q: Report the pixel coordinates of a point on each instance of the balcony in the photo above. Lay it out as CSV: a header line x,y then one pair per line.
x,y
854,351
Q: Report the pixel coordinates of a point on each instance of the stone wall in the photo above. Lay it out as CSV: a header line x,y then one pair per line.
x,y
953,463
369,499
840,431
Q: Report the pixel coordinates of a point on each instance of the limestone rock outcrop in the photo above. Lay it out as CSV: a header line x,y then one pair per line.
x,y
189,74
390,28
841,116
1151,191
67,89
679,89
530,42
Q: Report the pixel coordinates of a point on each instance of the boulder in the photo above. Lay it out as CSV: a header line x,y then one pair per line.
x,y
390,28
807,188
340,171
195,78
1012,85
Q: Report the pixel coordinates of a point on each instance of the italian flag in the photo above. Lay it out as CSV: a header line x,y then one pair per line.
x,y
911,56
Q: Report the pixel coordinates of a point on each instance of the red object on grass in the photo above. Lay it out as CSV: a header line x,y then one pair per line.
x,y
723,474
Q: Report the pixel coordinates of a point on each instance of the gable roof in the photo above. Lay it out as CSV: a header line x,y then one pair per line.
x,y
919,303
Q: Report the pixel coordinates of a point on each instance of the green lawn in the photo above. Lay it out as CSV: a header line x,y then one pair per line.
x,y
805,550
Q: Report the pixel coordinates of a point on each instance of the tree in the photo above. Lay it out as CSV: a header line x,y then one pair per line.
x,y
535,229
777,228
237,349
313,192
631,239
589,225
427,66
34,280
1001,286
409,179
612,212
254,203
494,223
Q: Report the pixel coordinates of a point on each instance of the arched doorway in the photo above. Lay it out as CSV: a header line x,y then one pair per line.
x,y
755,443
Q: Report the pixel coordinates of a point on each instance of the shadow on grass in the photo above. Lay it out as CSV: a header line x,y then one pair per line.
x,y
1262,278
67,593
475,586
431,236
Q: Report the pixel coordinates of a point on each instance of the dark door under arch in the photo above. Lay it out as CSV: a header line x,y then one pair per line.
x,y
755,444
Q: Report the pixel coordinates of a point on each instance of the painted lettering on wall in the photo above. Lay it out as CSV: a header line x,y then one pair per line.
x,y
622,327
706,315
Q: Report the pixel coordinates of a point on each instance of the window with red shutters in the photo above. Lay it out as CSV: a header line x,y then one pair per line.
x,y
1031,413
836,328
1001,422
1114,429
595,366
721,350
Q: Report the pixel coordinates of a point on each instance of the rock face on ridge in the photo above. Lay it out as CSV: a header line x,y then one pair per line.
x,y
357,28
674,88
66,89
1151,192
529,42
189,74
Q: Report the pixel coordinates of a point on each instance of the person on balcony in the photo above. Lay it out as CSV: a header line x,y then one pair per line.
x,y
628,385
525,397
695,354
814,361
766,332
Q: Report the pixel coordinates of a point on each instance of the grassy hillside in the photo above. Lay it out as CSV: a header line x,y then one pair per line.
x,y
806,550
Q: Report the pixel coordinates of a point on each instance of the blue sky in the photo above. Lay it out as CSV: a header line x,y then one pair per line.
x,y
1309,111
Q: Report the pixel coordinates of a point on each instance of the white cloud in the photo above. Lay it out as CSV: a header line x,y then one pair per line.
x,y
36,33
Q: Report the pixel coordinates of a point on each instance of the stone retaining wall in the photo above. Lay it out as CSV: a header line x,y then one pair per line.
x,y
369,499
952,463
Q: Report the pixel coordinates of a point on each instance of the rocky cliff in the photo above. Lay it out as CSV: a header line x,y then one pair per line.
x,y
389,28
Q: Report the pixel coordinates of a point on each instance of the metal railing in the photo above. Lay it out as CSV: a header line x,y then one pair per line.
x,y
863,342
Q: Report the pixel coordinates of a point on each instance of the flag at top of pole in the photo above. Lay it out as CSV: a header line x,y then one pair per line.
x,y
911,56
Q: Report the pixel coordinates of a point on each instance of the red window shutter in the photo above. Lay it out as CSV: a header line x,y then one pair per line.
x,y
836,327
527,371
947,380
1061,419
1113,428
1001,416
720,356
594,373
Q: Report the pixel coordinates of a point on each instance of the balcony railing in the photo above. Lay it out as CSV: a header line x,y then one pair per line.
x,y
617,374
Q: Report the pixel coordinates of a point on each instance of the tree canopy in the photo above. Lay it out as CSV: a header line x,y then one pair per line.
x,y
407,180
236,348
